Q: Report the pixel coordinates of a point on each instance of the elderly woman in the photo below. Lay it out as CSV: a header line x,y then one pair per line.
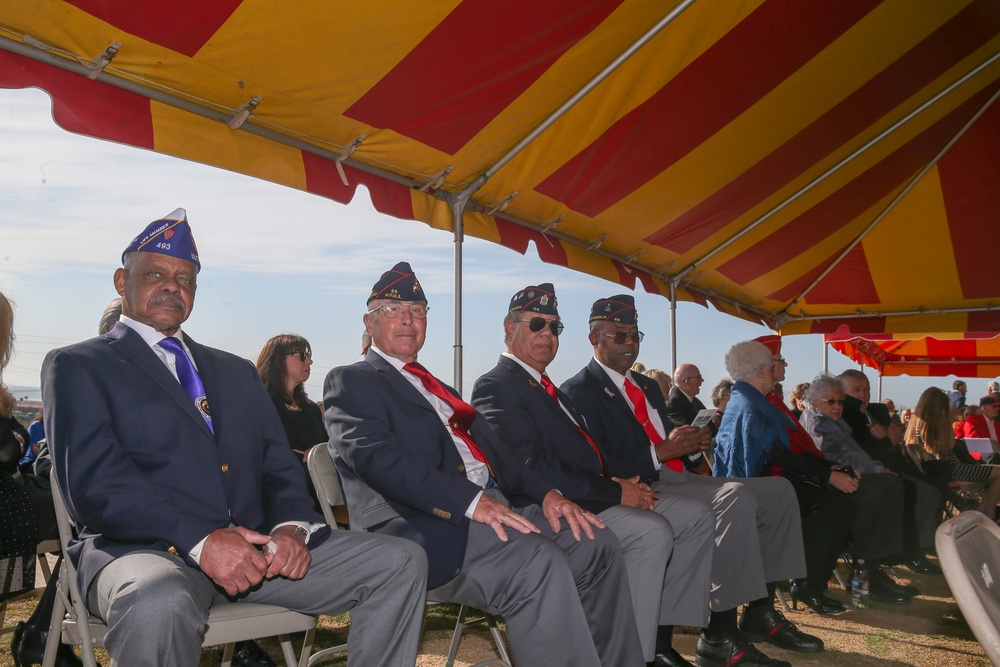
x,y
929,438
877,531
284,366
754,440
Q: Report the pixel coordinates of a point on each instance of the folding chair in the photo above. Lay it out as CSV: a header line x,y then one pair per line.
x,y
228,623
326,481
968,547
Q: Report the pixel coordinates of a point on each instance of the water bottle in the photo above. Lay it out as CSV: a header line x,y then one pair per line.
x,y
859,584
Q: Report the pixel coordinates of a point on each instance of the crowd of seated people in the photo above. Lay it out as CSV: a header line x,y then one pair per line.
x,y
615,494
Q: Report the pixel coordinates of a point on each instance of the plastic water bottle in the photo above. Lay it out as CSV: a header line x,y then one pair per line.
x,y
859,584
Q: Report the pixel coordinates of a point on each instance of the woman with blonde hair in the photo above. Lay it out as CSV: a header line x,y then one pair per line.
x,y
930,437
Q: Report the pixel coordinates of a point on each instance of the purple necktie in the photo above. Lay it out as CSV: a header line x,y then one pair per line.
x,y
189,378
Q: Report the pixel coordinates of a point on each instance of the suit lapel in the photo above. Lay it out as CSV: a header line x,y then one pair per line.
x,y
131,346
609,389
541,395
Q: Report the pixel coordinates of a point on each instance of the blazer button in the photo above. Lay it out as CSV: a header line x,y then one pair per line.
x,y
461,468
173,550
225,467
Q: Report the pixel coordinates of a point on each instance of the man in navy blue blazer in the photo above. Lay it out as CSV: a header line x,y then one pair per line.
x,y
418,462
175,467
758,535
668,551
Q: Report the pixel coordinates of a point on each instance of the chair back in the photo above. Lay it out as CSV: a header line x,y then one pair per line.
x,y
326,481
968,547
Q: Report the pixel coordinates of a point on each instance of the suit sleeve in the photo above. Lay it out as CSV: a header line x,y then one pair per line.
x,y
677,412
382,451
515,429
103,486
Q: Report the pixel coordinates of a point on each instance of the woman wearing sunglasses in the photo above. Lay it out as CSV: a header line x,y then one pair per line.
x,y
284,366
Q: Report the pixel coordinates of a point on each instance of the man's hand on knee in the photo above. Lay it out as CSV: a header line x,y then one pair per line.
x,y
231,559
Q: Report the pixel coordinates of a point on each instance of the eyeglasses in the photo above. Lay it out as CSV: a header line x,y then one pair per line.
x,y
780,360
831,401
693,377
619,337
536,324
302,354
418,311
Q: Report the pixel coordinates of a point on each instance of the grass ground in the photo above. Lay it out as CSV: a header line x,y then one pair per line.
x,y
931,631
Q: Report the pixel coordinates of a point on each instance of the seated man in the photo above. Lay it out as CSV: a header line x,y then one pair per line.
x,y
923,501
418,462
683,405
758,535
982,425
175,466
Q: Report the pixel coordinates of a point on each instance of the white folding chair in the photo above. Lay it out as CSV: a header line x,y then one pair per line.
x,y
326,481
968,547
228,623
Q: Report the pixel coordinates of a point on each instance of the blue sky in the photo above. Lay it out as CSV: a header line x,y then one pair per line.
x,y
278,260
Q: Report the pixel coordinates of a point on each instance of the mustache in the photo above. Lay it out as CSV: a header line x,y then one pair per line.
x,y
168,301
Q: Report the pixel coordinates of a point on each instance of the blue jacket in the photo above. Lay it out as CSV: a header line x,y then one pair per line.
x,y
751,427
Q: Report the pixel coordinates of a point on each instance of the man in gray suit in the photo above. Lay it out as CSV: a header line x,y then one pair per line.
x,y
176,467
418,462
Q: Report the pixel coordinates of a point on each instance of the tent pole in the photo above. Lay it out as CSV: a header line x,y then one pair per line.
x,y
673,327
457,205
826,358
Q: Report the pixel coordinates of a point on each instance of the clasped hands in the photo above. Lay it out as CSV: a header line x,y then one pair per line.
x,y
496,515
238,558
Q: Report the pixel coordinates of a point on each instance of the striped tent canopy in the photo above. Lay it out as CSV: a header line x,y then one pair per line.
x,y
802,163
939,355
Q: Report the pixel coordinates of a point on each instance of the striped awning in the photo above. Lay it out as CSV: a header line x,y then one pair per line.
x,y
804,163
962,355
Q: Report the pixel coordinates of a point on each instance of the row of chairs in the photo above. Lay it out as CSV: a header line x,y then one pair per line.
x,y
233,622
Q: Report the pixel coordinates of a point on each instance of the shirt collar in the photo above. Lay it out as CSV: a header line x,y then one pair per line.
x,y
148,333
616,378
531,371
393,361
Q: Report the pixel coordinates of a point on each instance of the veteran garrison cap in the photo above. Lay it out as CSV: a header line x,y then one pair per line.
x,y
619,309
170,235
771,342
398,283
536,299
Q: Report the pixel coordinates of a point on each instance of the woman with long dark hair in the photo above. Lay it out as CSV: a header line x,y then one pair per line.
x,y
284,366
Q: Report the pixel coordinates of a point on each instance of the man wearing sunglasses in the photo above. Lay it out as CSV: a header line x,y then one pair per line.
x,y
758,537
418,462
539,425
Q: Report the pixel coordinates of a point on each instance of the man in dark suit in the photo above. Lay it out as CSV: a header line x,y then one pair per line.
x,y
540,426
923,501
174,464
683,406
758,536
418,462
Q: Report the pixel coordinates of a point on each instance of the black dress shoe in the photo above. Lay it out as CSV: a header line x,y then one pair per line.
x,y
770,625
732,652
878,577
248,654
669,658
883,589
921,565
27,647
815,600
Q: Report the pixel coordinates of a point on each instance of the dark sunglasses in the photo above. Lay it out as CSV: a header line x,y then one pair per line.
x,y
831,401
302,354
619,337
536,324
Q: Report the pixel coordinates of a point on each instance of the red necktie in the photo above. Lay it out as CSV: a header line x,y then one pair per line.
x,y
551,389
638,399
461,418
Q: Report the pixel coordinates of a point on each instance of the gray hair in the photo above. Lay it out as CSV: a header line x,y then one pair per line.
x,y
821,386
724,384
852,375
111,315
744,360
